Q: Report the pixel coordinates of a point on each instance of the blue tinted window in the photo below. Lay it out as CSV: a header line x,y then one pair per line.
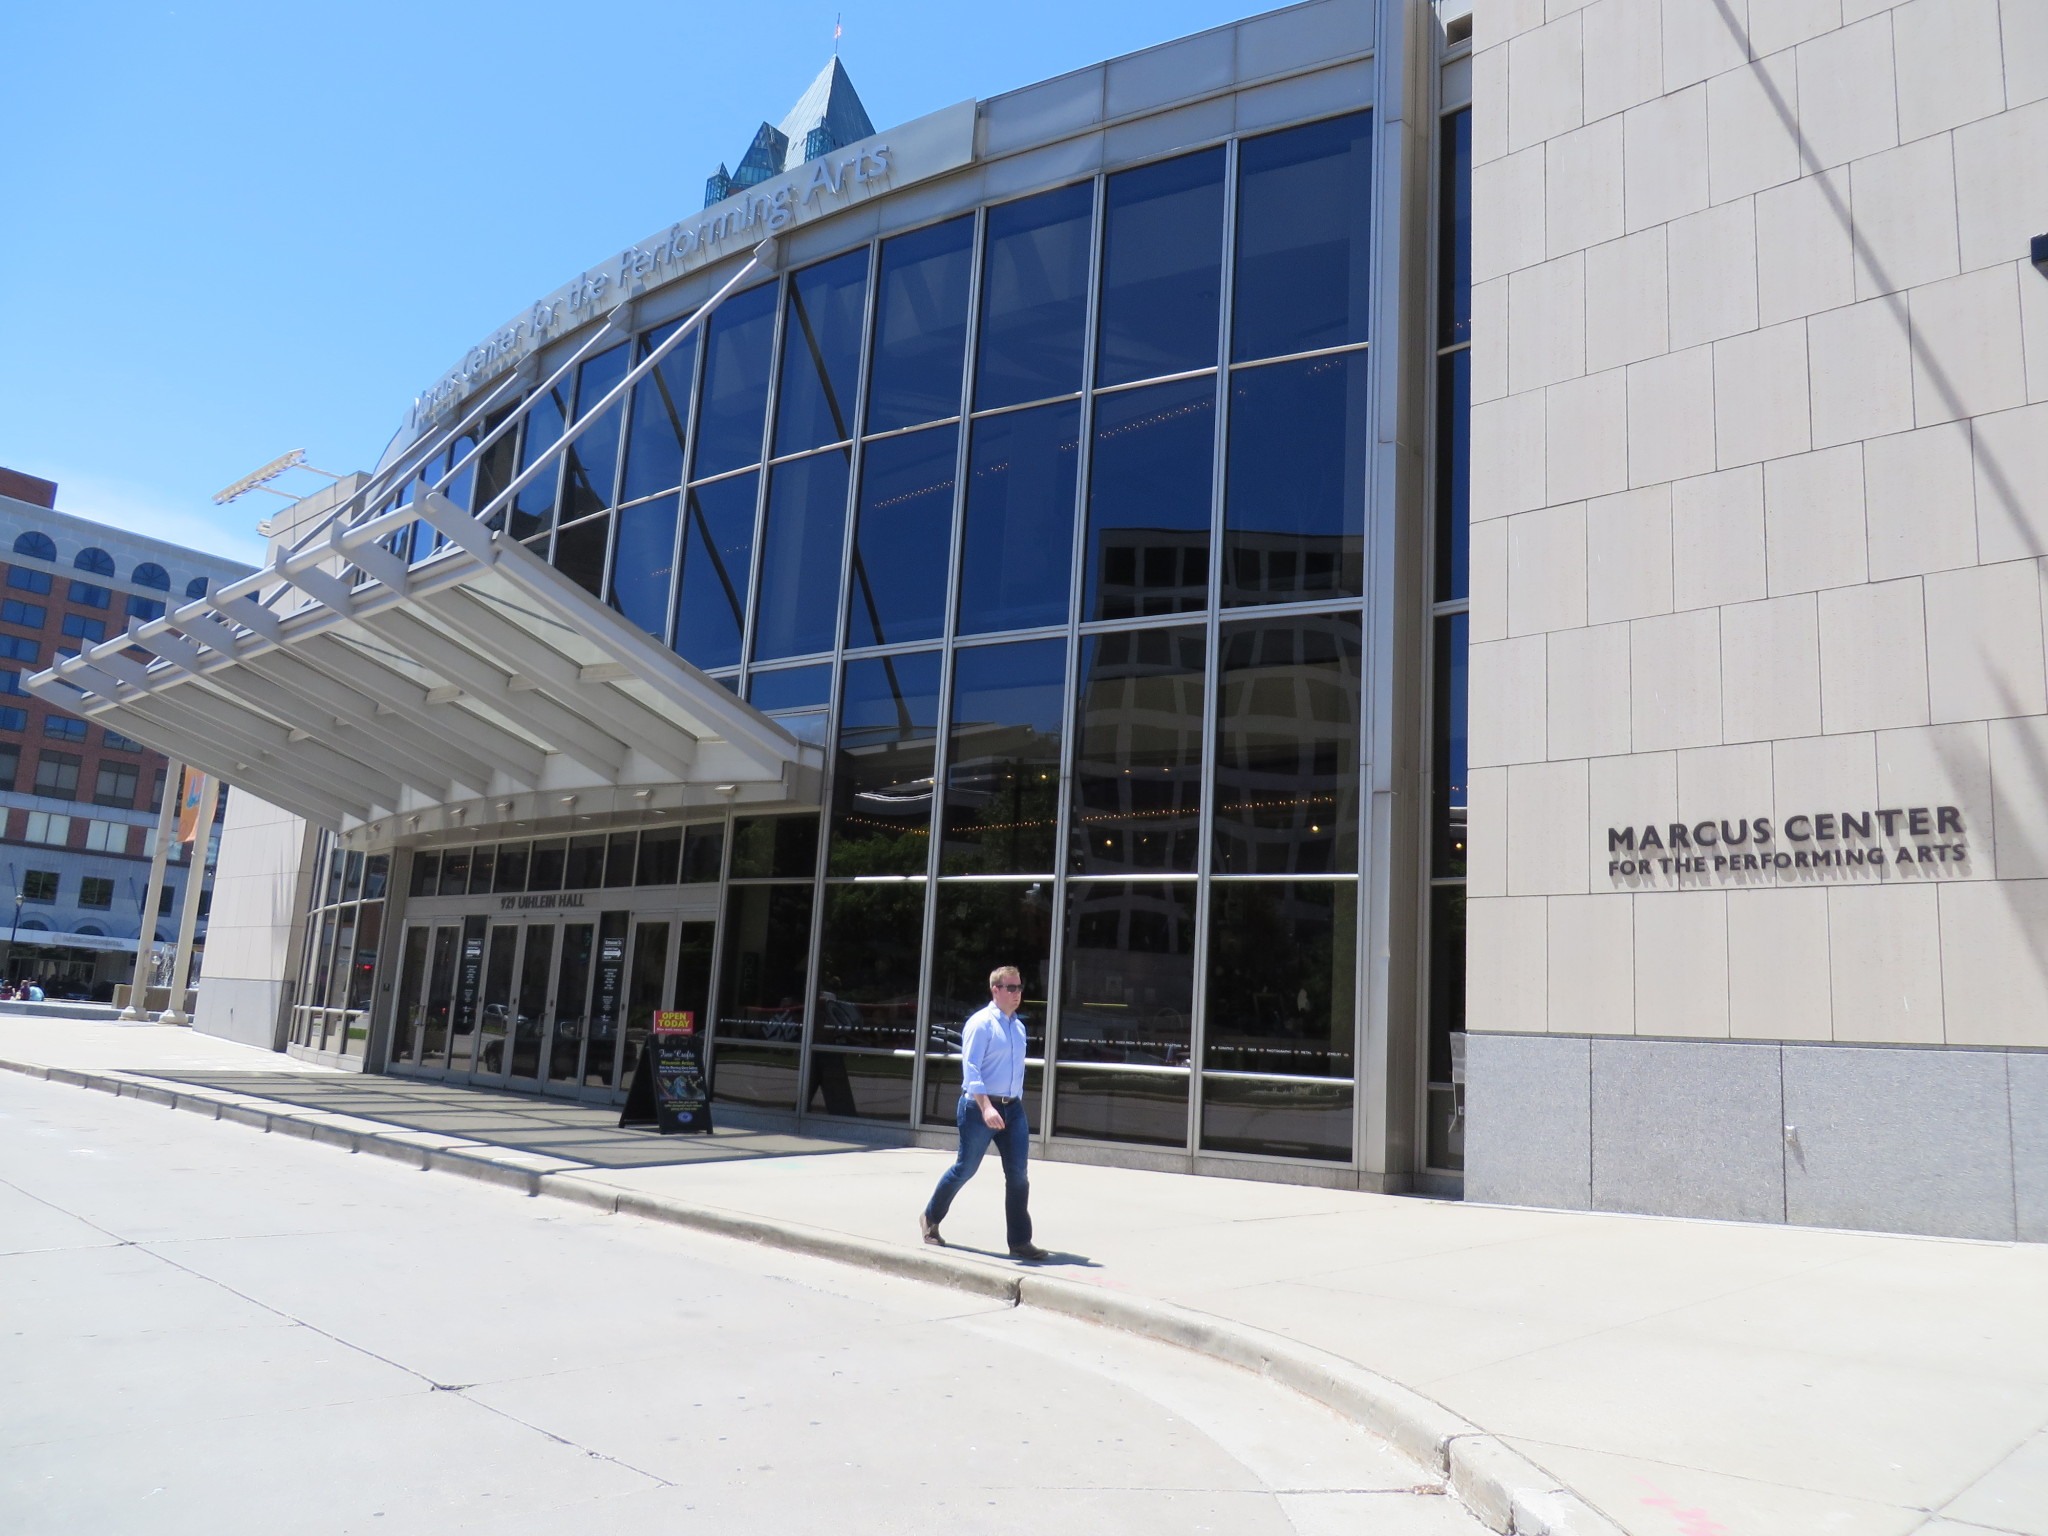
x,y
86,593
116,742
98,561
28,615
462,485
661,417
821,354
882,783
1138,759
1019,551
196,587
799,606
1304,210
1454,252
534,507
580,553
1448,756
1127,994
1294,505
1162,269
21,648
1034,297
144,608
63,728
1453,475
37,546
150,574
1281,967
22,579
644,562
921,326
12,719
718,557
904,539
10,683
1148,500
592,460
1003,759
739,351
79,627
1287,746
790,688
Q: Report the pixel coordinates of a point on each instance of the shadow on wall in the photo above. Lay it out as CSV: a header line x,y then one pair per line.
x,y
1988,463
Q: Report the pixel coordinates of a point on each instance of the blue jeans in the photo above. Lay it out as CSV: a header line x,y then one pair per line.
x,y
1013,1141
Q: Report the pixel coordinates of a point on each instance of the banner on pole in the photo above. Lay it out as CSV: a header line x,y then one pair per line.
x,y
188,806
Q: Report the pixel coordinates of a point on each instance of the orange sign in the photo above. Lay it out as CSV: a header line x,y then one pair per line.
x,y
682,1022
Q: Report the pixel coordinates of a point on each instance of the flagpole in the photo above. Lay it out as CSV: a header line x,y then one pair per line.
x,y
188,920
145,945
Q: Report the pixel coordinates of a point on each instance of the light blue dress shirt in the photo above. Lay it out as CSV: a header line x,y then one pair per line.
x,y
992,1054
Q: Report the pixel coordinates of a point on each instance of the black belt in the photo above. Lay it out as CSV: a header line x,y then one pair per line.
x,y
996,1098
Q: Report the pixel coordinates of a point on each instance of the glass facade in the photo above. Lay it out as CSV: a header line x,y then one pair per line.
x,y
335,989
1048,523
1449,594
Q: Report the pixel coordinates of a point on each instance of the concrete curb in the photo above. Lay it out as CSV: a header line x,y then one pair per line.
x,y
1501,1487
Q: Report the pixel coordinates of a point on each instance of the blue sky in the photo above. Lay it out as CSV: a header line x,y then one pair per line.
x,y
229,229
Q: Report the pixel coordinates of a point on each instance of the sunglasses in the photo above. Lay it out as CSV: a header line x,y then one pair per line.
x,y
1009,986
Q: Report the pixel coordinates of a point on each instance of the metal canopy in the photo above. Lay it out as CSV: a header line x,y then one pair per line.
x,y
393,699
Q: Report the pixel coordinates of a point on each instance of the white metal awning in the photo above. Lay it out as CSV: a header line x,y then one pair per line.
x,y
477,686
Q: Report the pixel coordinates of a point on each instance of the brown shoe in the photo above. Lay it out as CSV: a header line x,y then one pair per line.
x,y
930,1231
1030,1251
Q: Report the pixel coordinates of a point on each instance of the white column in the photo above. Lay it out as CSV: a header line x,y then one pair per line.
x,y
188,920
145,947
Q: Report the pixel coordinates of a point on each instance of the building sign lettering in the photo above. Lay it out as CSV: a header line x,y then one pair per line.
x,y
1860,841
929,146
541,903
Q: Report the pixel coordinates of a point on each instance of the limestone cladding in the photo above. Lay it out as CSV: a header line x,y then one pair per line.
x,y
1760,503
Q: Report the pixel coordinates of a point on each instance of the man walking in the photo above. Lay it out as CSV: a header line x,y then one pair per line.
x,y
992,1109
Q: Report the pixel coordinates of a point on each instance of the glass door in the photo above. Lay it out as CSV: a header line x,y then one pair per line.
x,y
646,987
440,998
571,1004
494,1018
412,986
607,1001
464,1014
530,1013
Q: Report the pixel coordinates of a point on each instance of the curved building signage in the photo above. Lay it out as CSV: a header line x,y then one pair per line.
x,y
885,162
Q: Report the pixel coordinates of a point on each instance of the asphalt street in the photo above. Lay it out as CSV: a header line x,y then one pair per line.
x,y
205,1329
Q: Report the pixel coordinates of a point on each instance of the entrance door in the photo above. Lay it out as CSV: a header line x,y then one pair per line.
x,y
440,998
412,990
494,1017
571,1005
532,1003
607,1003
645,990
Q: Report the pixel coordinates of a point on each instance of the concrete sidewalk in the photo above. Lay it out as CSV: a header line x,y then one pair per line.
x,y
1686,1378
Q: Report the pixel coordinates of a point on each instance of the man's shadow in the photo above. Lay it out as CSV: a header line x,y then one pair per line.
x,y
1054,1258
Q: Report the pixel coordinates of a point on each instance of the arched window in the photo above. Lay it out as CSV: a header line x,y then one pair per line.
x,y
91,930
150,574
98,561
196,587
39,546
34,925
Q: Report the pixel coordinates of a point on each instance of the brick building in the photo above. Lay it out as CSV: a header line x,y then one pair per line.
x,y
79,800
